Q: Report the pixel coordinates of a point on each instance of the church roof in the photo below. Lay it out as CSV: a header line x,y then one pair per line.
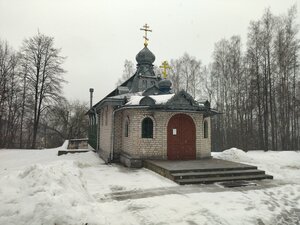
x,y
145,89
158,99
179,101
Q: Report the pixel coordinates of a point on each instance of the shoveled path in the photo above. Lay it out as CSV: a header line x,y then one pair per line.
x,y
182,190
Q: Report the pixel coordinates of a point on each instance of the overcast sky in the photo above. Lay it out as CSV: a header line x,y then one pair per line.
x,y
98,35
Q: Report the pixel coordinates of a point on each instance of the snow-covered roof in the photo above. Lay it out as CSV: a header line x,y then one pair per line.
x,y
159,99
179,101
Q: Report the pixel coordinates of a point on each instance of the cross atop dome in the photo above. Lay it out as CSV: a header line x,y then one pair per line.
x,y
146,29
164,67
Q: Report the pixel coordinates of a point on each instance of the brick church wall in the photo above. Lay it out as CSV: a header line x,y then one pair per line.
x,y
205,143
156,147
105,132
119,124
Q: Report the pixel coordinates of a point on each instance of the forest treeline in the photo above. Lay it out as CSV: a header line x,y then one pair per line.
x,y
33,110
255,86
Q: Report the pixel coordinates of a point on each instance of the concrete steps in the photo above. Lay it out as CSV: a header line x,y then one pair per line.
x,y
207,174
209,180
219,174
212,169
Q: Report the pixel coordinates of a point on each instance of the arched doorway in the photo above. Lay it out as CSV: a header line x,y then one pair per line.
x,y
181,138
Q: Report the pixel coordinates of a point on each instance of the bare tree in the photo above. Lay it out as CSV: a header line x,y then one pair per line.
x,y
256,91
45,71
9,91
128,71
207,86
65,120
254,57
175,74
186,74
286,54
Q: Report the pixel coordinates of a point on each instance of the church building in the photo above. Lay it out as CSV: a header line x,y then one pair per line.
x,y
144,119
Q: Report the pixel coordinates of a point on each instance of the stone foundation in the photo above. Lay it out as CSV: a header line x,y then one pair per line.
x,y
128,161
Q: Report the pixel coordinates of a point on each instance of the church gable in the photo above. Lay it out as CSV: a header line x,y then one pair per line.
x,y
147,101
153,90
182,100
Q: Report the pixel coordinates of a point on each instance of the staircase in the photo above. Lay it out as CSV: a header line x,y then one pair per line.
x,y
207,174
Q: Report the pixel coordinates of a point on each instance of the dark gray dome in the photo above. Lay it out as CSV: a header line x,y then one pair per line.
x,y
164,83
145,56
165,86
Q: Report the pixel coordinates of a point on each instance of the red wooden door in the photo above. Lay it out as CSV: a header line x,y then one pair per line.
x,y
181,138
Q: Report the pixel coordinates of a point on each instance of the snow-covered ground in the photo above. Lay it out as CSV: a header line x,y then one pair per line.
x,y
38,187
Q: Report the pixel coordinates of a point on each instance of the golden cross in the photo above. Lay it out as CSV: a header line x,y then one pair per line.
x,y
146,29
165,66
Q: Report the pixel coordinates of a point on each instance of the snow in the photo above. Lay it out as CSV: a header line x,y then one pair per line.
x,y
234,154
159,99
134,100
284,165
39,187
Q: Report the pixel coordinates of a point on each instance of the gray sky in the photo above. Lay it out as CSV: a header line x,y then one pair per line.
x,y
98,35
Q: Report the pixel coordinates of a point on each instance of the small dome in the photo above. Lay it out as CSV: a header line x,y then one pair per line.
x,y
164,83
145,56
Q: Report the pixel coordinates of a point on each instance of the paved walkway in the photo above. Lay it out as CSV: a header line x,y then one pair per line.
x,y
182,190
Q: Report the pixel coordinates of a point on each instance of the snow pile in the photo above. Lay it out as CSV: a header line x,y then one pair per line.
x,y
65,144
234,154
67,189
82,160
38,187
283,165
63,147
44,194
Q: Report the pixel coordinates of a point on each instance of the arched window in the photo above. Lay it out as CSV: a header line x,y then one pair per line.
x,y
147,128
126,128
205,127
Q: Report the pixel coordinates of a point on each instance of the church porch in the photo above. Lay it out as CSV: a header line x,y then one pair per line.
x,y
205,171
